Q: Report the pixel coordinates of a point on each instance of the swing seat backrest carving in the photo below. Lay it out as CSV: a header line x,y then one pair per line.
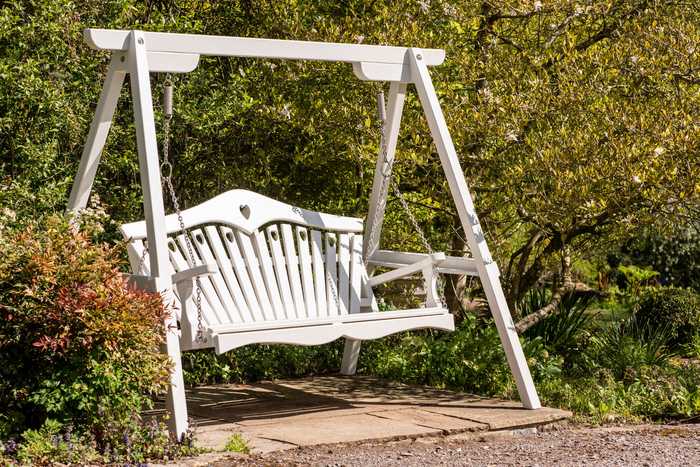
x,y
275,262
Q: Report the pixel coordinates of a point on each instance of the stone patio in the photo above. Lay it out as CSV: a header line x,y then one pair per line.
x,y
334,409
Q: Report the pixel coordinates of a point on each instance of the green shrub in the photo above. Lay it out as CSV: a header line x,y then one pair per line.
x,y
657,393
629,346
676,308
559,331
77,345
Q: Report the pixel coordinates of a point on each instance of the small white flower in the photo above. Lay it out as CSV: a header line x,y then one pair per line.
x,y
286,112
636,179
424,6
659,150
449,10
538,5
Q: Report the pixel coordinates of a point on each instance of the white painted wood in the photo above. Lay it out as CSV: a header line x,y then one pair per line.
x,y
392,124
111,39
324,333
190,274
307,276
229,209
331,254
354,318
397,259
292,260
99,129
246,286
280,268
252,262
268,274
180,264
201,245
357,269
344,273
488,271
210,299
319,272
372,71
155,224
406,270
163,62
351,354
217,238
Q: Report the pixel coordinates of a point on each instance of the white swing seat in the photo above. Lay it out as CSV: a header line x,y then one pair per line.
x,y
274,273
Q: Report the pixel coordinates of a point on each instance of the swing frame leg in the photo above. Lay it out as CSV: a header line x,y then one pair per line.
x,y
486,266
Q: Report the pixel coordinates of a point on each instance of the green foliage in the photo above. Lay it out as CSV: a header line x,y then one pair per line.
x,y
674,251
469,358
636,277
78,346
561,330
676,308
629,346
237,443
658,393
259,362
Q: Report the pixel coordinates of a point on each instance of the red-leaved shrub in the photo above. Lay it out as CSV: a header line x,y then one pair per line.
x,y
76,344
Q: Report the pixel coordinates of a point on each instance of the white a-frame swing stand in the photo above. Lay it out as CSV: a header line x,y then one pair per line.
x,y
268,272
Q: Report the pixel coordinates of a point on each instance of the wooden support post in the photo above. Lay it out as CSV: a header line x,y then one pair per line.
x,y
99,129
488,270
154,211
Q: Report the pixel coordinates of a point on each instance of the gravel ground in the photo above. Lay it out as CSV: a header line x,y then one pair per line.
x,y
644,445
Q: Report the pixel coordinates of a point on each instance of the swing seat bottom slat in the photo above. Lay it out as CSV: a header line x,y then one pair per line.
x,y
362,326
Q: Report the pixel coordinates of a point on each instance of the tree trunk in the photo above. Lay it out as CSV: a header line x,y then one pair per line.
x,y
552,307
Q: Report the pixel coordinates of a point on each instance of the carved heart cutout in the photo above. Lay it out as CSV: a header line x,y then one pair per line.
x,y
245,210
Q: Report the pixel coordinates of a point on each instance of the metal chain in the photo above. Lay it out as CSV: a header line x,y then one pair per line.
x,y
166,168
386,179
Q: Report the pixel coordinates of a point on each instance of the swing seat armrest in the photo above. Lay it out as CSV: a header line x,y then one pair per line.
x,y
403,271
195,272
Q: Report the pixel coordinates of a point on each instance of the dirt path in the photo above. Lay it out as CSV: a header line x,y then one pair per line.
x,y
628,445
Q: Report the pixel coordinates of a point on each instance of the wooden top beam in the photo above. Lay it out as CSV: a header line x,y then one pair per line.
x,y
113,39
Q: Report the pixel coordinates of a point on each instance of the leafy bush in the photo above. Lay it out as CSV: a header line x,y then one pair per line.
x,y
559,331
629,346
656,393
77,345
672,307
258,362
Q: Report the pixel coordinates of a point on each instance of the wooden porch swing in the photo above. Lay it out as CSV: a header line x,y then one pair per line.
x,y
243,268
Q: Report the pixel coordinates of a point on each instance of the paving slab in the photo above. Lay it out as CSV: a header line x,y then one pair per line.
x,y
446,424
278,415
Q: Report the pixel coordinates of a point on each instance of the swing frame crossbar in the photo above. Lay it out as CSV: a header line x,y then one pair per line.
x,y
139,53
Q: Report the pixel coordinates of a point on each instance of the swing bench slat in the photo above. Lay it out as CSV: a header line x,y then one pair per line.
x,y
273,273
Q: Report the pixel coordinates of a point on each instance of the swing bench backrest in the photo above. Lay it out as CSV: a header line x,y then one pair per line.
x,y
275,262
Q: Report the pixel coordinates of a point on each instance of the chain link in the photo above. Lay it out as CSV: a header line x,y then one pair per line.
x,y
387,167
